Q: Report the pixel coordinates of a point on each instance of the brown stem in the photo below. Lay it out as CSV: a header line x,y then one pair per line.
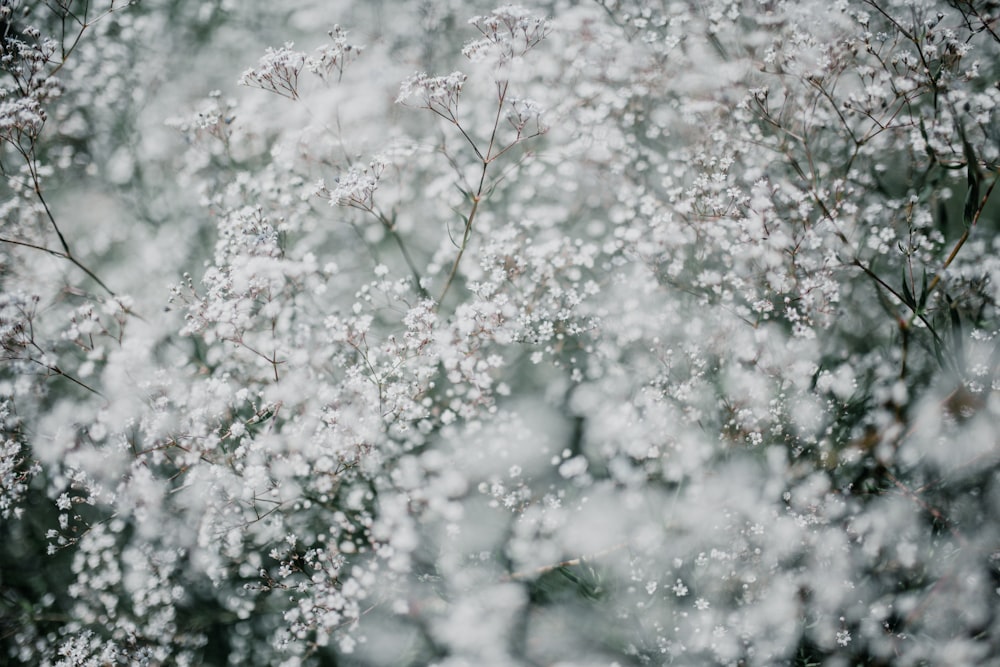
x,y
478,197
465,242
962,240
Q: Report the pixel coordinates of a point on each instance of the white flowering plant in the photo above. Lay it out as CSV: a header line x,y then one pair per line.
x,y
653,333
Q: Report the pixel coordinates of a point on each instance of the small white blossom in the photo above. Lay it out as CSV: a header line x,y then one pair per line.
x,y
357,186
334,56
277,71
508,32
438,93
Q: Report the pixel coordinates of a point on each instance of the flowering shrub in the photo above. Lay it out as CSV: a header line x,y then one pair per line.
x,y
572,334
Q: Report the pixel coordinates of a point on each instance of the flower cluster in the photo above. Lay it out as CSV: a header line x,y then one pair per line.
x,y
526,114
21,120
438,93
356,187
508,33
26,59
215,119
674,342
16,469
277,71
334,56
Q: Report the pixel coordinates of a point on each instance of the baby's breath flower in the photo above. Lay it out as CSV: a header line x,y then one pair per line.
x,y
21,119
333,56
277,71
508,32
438,93
357,186
525,113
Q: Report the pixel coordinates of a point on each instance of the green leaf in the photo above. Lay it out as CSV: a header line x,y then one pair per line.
x,y
922,303
957,338
942,215
907,294
939,352
927,141
972,194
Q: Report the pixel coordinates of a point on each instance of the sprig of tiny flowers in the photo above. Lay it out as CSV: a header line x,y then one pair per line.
x,y
278,70
334,56
437,93
681,402
17,468
508,33
356,187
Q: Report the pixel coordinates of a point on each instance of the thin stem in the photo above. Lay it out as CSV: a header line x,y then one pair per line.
x,y
927,507
450,117
465,242
961,241
36,187
56,253
418,281
390,226
478,197
273,360
501,96
58,371
62,255
52,368
899,297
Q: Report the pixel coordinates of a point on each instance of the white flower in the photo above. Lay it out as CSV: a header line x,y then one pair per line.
x,y
277,71
438,93
522,112
21,117
357,186
510,31
333,56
